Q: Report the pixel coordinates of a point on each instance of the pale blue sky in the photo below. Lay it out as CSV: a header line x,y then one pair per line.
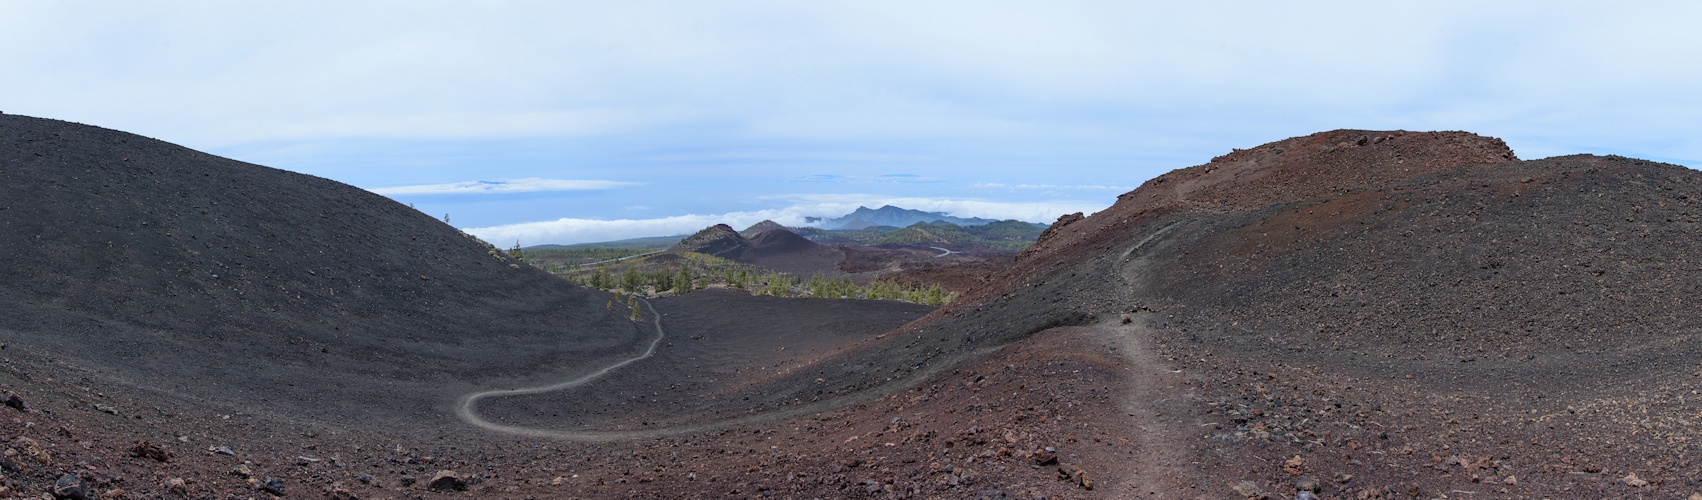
x,y
560,122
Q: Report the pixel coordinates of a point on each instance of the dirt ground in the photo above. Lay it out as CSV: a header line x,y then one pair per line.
x,y
982,429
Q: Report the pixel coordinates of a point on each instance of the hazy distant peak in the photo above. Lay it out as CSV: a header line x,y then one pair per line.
x,y
888,215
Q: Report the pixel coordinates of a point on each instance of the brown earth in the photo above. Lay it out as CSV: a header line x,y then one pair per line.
x,y
1407,315
921,266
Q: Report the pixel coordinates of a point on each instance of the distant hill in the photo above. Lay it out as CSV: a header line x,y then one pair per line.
x,y
889,215
761,227
777,249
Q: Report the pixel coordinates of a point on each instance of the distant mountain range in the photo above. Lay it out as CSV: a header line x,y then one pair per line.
x,y
1006,235
890,216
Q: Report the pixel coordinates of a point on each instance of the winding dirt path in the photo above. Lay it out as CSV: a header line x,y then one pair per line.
x,y
466,409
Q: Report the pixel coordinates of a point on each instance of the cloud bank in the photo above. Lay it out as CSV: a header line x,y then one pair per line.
x,y
575,230
505,186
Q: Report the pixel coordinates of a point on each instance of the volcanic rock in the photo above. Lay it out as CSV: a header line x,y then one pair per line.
x,y
70,487
447,480
144,449
271,485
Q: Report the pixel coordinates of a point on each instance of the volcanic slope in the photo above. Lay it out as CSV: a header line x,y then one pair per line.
x,y
1378,314
775,248
264,289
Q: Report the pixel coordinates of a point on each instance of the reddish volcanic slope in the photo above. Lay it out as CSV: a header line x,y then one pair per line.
x,y
1376,314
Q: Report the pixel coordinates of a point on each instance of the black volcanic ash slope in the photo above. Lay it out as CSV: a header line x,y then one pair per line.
x,y
242,283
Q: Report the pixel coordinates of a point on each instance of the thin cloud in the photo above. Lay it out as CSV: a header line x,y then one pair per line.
x,y
865,179
506,186
1082,187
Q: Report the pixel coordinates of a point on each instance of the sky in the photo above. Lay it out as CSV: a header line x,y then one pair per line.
x,y
567,122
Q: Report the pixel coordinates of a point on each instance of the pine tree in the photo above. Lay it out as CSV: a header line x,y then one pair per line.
x,y
630,280
682,280
633,303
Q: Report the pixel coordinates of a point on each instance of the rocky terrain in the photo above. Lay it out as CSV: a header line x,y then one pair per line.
x,y
1350,314
1390,314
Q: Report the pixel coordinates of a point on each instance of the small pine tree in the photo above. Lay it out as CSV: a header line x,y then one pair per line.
x,y
633,303
935,296
515,252
682,280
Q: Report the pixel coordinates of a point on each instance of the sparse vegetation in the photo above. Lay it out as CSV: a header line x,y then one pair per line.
x,y
560,260
1010,235
682,272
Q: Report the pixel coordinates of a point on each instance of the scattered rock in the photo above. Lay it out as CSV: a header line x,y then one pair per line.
x,y
221,450
144,449
1515,480
16,402
69,486
271,485
1075,475
9,465
1634,481
338,492
1248,489
1306,483
106,409
242,471
1045,457
447,480
177,485
33,450
114,494
1294,466
406,480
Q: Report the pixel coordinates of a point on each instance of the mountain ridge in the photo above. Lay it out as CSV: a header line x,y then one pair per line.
x,y
888,215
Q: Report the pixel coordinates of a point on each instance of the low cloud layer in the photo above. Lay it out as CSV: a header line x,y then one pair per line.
x,y
572,230
505,186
